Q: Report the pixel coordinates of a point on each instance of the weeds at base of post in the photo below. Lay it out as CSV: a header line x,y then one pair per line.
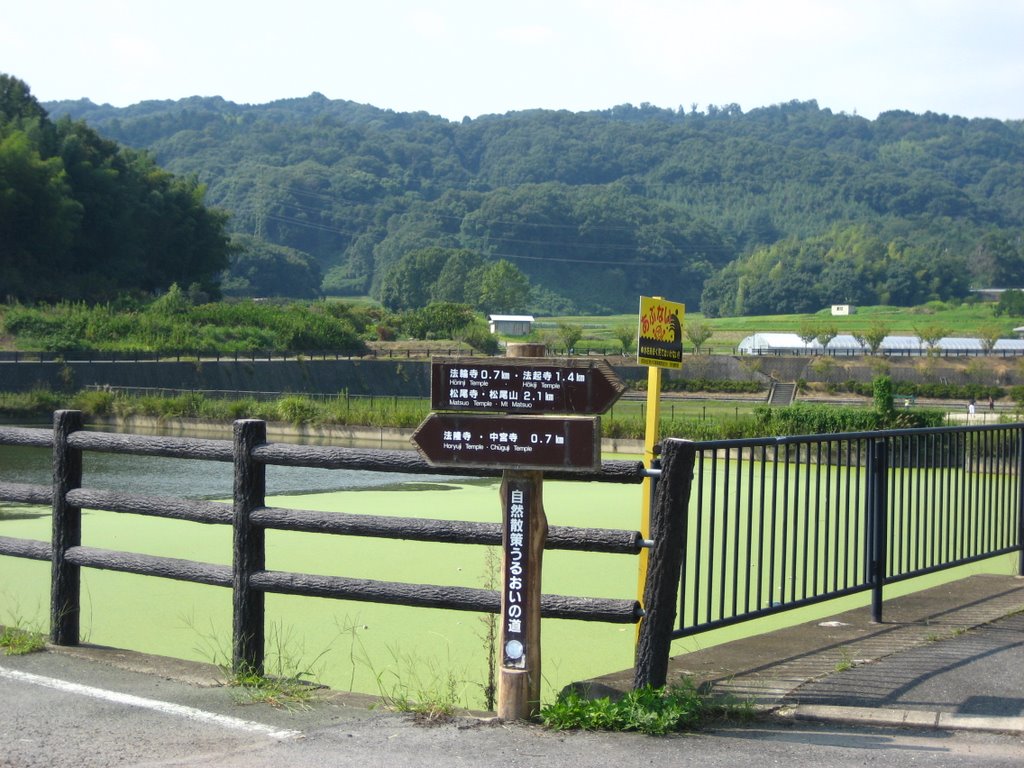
x,y
653,711
289,692
419,688
290,683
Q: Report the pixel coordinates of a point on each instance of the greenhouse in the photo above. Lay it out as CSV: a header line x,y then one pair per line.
x,y
845,344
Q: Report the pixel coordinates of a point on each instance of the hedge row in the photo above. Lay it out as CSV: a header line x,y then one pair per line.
x,y
702,385
937,390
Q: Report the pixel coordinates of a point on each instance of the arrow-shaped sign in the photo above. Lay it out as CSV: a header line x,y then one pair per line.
x,y
507,442
523,385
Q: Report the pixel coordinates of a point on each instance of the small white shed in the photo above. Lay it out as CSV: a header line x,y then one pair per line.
x,y
511,325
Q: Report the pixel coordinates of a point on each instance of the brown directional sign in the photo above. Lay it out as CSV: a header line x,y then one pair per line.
x,y
509,442
523,385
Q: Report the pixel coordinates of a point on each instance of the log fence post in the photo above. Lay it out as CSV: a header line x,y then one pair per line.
x,y
65,578
249,555
669,515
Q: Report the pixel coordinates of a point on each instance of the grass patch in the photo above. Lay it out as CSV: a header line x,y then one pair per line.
x,y
421,688
845,662
286,681
290,691
17,641
654,711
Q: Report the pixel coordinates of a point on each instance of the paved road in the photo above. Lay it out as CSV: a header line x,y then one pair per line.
x,y
61,710
948,660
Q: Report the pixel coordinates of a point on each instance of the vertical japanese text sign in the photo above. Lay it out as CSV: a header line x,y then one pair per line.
x,y
514,616
661,333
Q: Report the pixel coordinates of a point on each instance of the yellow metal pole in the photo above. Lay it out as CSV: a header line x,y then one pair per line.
x,y
650,441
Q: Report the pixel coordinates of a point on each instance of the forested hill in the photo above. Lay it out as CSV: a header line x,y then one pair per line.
x,y
783,208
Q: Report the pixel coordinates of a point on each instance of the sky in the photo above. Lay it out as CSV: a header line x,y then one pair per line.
x,y
459,58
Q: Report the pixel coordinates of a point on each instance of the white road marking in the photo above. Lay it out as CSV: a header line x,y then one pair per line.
x,y
156,705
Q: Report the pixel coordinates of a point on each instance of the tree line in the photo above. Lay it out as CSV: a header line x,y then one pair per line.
x,y
82,217
779,209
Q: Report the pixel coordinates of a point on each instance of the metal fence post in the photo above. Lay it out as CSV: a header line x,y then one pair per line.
x,y
878,454
1020,500
247,629
664,565
65,579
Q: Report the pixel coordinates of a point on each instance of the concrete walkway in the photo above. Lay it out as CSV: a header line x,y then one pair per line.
x,y
948,657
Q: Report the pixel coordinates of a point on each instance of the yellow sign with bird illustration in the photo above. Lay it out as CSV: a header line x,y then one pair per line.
x,y
661,333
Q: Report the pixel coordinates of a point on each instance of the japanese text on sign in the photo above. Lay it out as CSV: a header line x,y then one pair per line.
x,y
514,649
661,333
505,389
524,385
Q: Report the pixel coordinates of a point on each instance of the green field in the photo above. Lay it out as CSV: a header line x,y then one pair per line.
x,y
968,319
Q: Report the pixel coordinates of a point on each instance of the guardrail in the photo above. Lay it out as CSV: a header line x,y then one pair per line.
x,y
249,517
739,528
749,528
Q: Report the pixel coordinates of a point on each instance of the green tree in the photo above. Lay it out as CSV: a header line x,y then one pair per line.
x,y
930,334
873,337
459,279
882,394
259,268
437,320
38,220
627,335
698,333
808,331
825,335
407,285
569,334
1011,303
503,288
989,334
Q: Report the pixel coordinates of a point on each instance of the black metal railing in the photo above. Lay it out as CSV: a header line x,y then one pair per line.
x,y
746,528
776,524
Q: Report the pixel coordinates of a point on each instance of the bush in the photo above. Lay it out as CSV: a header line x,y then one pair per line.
x,y
654,711
881,391
298,410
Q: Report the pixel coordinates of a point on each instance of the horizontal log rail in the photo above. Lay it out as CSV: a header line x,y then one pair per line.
x,y
27,548
21,493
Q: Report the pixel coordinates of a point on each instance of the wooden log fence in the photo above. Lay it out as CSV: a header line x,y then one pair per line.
x,y
250,518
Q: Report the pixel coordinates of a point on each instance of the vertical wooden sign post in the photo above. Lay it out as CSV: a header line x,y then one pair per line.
x,y
511,426
524,533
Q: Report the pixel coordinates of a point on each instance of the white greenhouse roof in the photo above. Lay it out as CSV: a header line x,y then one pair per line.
x,y
771,342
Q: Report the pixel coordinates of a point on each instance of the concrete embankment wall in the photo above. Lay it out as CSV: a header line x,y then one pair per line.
x,y
407,378
357,377
411,378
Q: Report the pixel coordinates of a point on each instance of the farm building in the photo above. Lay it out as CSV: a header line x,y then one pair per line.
x,y
845,344
511,325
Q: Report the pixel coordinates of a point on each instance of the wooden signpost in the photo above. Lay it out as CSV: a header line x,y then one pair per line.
x,y
511,426
523,386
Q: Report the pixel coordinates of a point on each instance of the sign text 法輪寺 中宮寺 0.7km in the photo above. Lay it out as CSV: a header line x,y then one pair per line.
x,y
528,442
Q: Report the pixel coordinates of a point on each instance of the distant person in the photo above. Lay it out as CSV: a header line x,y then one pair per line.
x,y
991,403
970,408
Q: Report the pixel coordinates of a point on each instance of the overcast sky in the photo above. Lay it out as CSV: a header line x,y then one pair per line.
x,y
459,58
